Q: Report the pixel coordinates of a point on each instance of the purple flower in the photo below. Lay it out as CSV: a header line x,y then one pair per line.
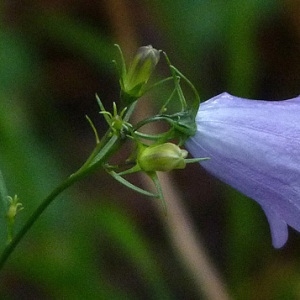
x,y
254,146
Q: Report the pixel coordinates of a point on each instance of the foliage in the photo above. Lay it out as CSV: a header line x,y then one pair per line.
x,y
94,242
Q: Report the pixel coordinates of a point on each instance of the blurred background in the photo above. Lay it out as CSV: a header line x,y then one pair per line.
x,y
99,240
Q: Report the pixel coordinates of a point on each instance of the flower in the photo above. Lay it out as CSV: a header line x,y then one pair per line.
x,y
254,146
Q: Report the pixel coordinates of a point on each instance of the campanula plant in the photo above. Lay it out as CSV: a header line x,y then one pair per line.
x,y
251,145
254,146
151,152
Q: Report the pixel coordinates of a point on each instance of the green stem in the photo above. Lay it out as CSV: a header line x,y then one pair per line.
x,y
105,150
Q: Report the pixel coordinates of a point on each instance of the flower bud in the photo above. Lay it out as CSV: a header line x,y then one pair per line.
x,y
139,71
14,207
164,157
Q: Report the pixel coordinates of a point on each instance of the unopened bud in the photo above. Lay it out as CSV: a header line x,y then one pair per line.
x,y
164,157
14,207
140,71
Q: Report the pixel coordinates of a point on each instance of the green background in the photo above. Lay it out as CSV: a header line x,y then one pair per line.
x,y
100,240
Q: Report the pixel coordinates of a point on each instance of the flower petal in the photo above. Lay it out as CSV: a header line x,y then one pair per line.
x,y
254,146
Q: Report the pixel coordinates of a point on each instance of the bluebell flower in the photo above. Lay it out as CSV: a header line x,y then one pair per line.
x,y
254,146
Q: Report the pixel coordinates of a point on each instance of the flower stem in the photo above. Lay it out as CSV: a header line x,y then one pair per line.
x,y
103,151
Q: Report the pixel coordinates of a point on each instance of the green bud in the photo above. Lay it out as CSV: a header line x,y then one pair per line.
x,y
14,207
164,157
140,71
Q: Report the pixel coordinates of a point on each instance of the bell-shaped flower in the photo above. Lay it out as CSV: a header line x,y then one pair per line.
x,y
254,146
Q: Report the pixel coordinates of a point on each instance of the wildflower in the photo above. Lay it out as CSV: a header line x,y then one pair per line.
x,y
254,146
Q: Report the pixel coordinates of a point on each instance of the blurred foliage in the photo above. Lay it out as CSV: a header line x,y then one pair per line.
x,y
99,241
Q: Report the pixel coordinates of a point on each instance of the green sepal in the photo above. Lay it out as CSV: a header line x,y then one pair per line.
x,y
183,122
131,186
93,128
120,69
154,177
194,106
182,125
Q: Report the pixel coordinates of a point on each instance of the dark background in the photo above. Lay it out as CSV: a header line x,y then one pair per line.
x,y
100,240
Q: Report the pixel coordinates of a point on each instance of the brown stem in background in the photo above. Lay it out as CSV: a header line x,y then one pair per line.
x,y
186,241
123,28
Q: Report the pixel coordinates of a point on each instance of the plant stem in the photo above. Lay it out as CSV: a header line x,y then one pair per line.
x,y
100,155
